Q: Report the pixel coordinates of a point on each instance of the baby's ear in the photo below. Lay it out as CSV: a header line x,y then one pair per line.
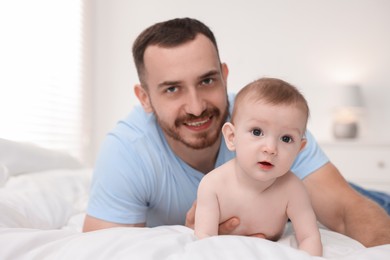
x,y
228,134
303,144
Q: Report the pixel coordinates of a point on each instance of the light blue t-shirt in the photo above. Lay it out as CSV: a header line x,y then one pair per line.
x,y
138,179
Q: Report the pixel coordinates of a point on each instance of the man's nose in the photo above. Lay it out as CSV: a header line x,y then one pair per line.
x,y
195,104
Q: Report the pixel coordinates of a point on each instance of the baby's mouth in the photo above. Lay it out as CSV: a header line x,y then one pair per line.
x,y
265,165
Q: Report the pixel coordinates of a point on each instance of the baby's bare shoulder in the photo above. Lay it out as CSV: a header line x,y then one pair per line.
x,y
290,181
218,176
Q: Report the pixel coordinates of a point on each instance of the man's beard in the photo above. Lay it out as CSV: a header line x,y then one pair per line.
x,y
203,140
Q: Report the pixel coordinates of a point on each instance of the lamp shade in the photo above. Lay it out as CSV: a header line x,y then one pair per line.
x,y
348,112
351,96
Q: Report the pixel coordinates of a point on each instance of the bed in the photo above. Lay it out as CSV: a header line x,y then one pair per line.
x,y
43,197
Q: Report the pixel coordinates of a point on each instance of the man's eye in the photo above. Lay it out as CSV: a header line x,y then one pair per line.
x,y
207,81
286,139
171,89
257,132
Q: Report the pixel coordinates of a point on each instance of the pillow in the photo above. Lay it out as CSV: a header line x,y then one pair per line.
x,y
3,174
20,157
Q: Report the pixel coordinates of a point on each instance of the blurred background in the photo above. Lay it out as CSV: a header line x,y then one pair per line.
x,y
67,74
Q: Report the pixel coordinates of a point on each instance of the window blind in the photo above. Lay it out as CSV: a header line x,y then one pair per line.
x,y
42,95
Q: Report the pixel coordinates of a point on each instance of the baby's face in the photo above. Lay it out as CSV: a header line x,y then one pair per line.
x,y
268,138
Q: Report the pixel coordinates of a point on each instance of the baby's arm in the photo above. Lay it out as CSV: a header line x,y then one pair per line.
x,y
207,210
304,220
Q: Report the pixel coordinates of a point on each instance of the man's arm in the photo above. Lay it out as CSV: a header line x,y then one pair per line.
x,y
92,224
342,209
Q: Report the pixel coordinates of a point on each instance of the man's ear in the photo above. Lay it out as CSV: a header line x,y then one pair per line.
x,y
143,98
225,71
228,133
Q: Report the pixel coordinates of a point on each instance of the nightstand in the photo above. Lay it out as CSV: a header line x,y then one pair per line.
x,y
363,163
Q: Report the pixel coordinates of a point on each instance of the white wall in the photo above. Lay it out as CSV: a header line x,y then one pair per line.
x,y
318,46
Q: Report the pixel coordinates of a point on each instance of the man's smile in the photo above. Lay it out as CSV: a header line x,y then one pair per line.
x,y
199,124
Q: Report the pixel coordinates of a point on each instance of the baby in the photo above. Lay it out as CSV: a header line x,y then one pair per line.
x,y
267,131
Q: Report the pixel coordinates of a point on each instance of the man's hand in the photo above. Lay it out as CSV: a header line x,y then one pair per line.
x,y
225,228
190,216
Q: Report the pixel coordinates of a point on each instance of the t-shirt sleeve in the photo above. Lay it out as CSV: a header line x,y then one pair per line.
x,y
309,159
117,193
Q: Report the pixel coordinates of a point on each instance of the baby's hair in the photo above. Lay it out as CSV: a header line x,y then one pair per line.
x,y
273,91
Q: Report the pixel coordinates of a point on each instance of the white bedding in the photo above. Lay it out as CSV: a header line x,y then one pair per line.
x,y
41,215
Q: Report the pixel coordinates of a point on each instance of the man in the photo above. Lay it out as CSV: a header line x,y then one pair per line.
x,y
150,165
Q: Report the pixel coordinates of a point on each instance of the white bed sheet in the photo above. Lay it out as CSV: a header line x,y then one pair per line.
x,y
41,215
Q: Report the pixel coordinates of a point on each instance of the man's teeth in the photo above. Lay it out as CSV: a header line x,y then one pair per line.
x,y
198,123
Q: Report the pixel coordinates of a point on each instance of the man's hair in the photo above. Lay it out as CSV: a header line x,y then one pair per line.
x,y
168,34
272,91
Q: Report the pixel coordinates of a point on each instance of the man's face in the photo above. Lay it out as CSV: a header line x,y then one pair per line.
x,y
186,89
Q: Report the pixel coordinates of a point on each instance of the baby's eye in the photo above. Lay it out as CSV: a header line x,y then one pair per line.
x,y
257,132
286,139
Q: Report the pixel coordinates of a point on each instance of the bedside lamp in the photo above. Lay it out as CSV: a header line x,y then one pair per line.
x,y
346,118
